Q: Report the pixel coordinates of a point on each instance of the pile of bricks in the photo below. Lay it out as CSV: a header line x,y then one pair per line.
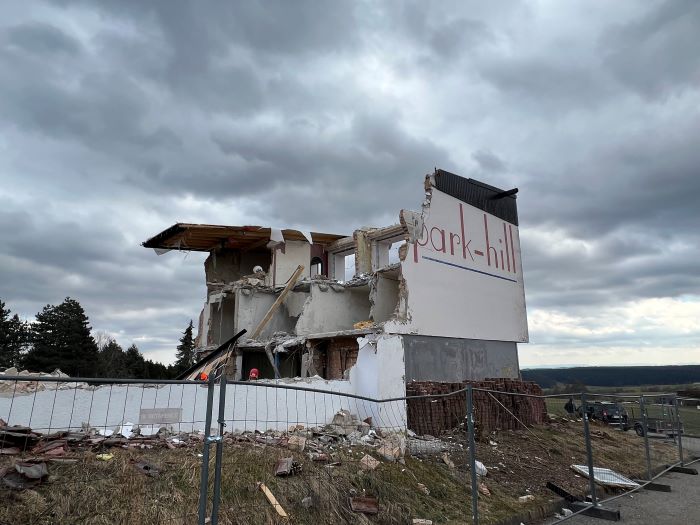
x,y
498,410
433,415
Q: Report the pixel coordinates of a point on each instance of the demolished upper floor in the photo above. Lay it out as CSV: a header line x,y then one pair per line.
x,y
450,269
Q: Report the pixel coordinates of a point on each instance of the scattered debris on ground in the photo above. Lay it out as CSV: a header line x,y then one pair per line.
x,y
606,477
309,474
364,505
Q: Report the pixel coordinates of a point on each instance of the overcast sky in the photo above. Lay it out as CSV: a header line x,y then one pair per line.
x,y
119,118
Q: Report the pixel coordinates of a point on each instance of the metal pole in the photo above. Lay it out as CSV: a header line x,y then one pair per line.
x,y
589,450
219,450
679,429
472,455
645,428
205,454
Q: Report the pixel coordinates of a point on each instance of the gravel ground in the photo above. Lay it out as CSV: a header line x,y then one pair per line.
x,y
679,507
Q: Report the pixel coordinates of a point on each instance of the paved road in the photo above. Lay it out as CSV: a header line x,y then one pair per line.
x,y
679,507
692,444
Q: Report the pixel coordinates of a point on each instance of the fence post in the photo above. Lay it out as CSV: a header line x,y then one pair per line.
x,y
589,450
620,409
204,483
219,450
645,429
472,455
679,430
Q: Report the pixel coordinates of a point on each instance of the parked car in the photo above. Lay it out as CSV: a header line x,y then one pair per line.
x,y
607,412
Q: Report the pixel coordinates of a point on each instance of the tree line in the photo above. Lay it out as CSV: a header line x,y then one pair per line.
x,y
60,337
614,376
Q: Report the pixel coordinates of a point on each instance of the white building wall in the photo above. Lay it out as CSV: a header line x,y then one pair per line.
x,y
249,406
464,276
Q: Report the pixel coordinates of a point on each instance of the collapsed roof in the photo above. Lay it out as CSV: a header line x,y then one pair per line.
x,y
207,237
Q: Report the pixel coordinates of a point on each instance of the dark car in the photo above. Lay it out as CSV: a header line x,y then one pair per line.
x,y
607,412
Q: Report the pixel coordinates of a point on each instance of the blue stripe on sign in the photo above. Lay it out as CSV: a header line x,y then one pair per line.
x,y
470,269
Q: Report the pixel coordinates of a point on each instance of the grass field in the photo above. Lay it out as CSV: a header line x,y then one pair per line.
x,y
690,416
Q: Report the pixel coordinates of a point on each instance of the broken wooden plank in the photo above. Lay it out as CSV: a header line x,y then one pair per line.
x,y
278,302
273,501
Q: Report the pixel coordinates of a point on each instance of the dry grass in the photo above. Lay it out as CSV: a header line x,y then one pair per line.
x,y
98,492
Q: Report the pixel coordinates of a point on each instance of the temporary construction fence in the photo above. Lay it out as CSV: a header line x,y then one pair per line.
x,y
128,451
594,448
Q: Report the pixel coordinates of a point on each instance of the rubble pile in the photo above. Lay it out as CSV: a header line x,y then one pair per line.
x,y
318,444
27,387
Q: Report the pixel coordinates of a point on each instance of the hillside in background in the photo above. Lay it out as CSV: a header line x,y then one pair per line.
x,y
614,376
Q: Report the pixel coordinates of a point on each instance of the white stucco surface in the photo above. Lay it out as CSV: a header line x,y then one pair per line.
x,y
464,276
249,406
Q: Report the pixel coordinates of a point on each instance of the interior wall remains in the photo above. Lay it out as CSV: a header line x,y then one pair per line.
x,y
221,320
333,308
252,305
226,266
385,296
287,257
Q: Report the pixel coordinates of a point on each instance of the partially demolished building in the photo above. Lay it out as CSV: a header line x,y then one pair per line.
x,y
437,297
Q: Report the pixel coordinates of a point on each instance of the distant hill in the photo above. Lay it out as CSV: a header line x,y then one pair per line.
x,y
614,375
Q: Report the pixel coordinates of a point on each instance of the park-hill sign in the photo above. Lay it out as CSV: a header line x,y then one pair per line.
x,y
464,275
481,243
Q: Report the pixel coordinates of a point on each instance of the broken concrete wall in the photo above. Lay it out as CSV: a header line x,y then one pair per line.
x,y
251,306
379,373
380,369
287,257
221,319
452,360
226,266
332,308
385,295
202,327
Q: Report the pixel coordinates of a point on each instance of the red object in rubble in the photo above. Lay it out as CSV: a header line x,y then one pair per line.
x,y
254,373
203,376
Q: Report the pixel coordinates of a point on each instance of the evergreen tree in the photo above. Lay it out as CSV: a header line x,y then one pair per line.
x,y
155,370
134,363
184,358
13,338
61,338
112,360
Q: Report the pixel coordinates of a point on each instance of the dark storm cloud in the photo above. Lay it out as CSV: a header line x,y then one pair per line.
x,y
488,161
40,38
656,54
119,118
370,157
